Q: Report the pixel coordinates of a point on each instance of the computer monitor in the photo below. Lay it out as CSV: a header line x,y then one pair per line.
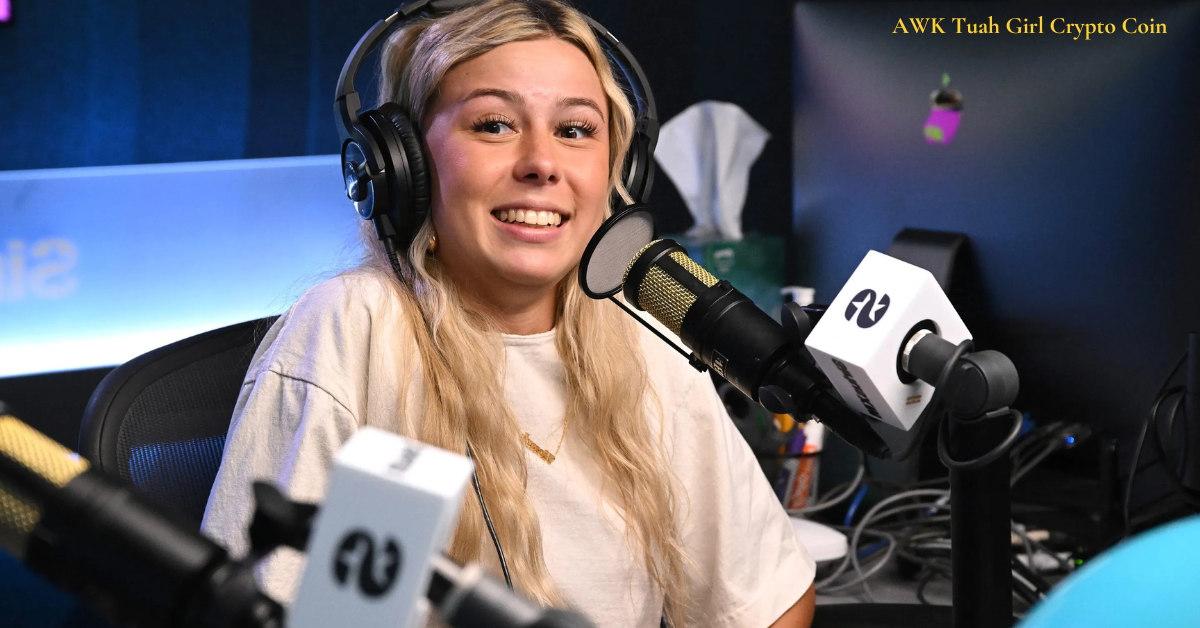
x,y
1073,164
99,265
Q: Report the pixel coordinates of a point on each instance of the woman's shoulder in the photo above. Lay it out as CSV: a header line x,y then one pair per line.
x,y
328,333
675,380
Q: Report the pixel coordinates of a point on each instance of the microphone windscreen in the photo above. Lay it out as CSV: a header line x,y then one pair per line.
x,y
663,296
608,253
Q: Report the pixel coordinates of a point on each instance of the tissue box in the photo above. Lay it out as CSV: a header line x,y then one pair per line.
x,y
754,265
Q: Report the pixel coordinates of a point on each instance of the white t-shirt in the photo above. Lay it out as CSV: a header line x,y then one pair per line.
x,y
336,361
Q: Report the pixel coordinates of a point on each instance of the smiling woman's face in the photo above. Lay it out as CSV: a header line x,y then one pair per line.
x,y
517,138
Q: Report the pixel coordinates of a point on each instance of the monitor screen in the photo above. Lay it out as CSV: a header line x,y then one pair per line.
x,y
99,265
1070,159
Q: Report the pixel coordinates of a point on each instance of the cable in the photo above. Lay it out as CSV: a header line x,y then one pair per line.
x,y
851,559
985,459
1020,472
1190,496
921,588
1137,452
390,246
1019,530
858,497
843,496
1050,436
1034,436
931,416
488,520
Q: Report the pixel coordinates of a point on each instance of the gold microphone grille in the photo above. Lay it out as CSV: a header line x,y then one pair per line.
x,y
42,456
38,453
17,520
663,297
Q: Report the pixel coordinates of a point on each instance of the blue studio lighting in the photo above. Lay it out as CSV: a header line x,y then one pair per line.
x,y
99,265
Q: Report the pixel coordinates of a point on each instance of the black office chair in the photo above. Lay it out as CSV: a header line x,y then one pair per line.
x,y
159,420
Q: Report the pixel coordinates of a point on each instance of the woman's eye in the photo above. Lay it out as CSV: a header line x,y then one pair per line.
x,y
494,127
577,131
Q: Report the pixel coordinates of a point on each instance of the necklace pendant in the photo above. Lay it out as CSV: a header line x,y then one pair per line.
x,y
537,451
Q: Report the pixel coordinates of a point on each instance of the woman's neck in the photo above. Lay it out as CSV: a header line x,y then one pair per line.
x,y
521,312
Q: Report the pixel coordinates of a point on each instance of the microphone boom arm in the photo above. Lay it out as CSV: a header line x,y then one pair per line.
x,y
787,388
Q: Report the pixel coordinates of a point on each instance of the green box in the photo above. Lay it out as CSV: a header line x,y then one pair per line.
x,y
754,265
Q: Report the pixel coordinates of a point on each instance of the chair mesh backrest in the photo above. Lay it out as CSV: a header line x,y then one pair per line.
x,y
171,438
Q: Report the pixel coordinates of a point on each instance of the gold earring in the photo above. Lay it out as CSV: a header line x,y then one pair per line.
x,y
433,244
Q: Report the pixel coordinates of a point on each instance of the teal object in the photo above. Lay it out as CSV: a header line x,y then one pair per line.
x,y
1150,580
754,265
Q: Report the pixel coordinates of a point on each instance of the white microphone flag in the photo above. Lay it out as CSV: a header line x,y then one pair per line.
x,y
857,343
391,504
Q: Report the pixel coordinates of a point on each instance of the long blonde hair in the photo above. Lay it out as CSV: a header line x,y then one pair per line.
x,y
606,376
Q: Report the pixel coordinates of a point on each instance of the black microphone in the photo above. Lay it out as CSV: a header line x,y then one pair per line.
x,y
99,539
738,341
466,597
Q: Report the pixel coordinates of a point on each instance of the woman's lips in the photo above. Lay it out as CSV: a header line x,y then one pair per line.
x,y
529,233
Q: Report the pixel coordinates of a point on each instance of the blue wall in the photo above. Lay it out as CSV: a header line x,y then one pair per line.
x,y
96,83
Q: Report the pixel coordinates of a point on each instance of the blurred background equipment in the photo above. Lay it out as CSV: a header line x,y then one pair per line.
x,y
1077,193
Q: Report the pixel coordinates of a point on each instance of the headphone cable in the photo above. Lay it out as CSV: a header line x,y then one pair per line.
x,y
390,246
488,519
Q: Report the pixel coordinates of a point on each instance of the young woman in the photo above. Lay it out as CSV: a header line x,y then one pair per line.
x,y
615,480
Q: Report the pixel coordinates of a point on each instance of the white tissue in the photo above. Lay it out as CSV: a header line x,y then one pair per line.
x,y
707,151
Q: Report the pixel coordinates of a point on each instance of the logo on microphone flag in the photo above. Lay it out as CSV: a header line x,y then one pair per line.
x,y
868,311
372,582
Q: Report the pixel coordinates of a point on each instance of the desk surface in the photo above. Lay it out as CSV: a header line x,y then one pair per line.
x,y
889,588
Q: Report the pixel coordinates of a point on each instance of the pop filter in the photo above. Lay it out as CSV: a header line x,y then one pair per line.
x,y
616,242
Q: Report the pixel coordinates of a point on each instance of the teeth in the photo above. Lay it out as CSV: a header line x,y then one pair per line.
x,y
530,217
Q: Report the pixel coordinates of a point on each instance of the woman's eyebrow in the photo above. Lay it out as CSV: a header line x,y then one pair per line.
x,y
503,94
517,99
563,103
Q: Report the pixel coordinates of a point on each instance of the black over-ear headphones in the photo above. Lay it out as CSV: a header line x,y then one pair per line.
x,y
383,164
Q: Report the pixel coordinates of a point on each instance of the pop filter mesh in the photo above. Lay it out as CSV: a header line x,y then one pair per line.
x,y
606,267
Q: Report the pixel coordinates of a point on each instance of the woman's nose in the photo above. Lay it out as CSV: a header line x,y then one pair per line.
x,y
538,161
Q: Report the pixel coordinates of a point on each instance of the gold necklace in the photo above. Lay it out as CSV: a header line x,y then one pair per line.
x,y
542,453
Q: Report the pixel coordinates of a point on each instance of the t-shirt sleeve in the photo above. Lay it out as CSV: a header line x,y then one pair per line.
x,y
287,431
748,567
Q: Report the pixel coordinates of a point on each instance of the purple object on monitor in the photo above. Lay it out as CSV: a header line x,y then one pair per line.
x,y
941,125
5,10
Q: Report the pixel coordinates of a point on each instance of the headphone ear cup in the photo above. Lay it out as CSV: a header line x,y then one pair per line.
x,y
410,139
638,169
